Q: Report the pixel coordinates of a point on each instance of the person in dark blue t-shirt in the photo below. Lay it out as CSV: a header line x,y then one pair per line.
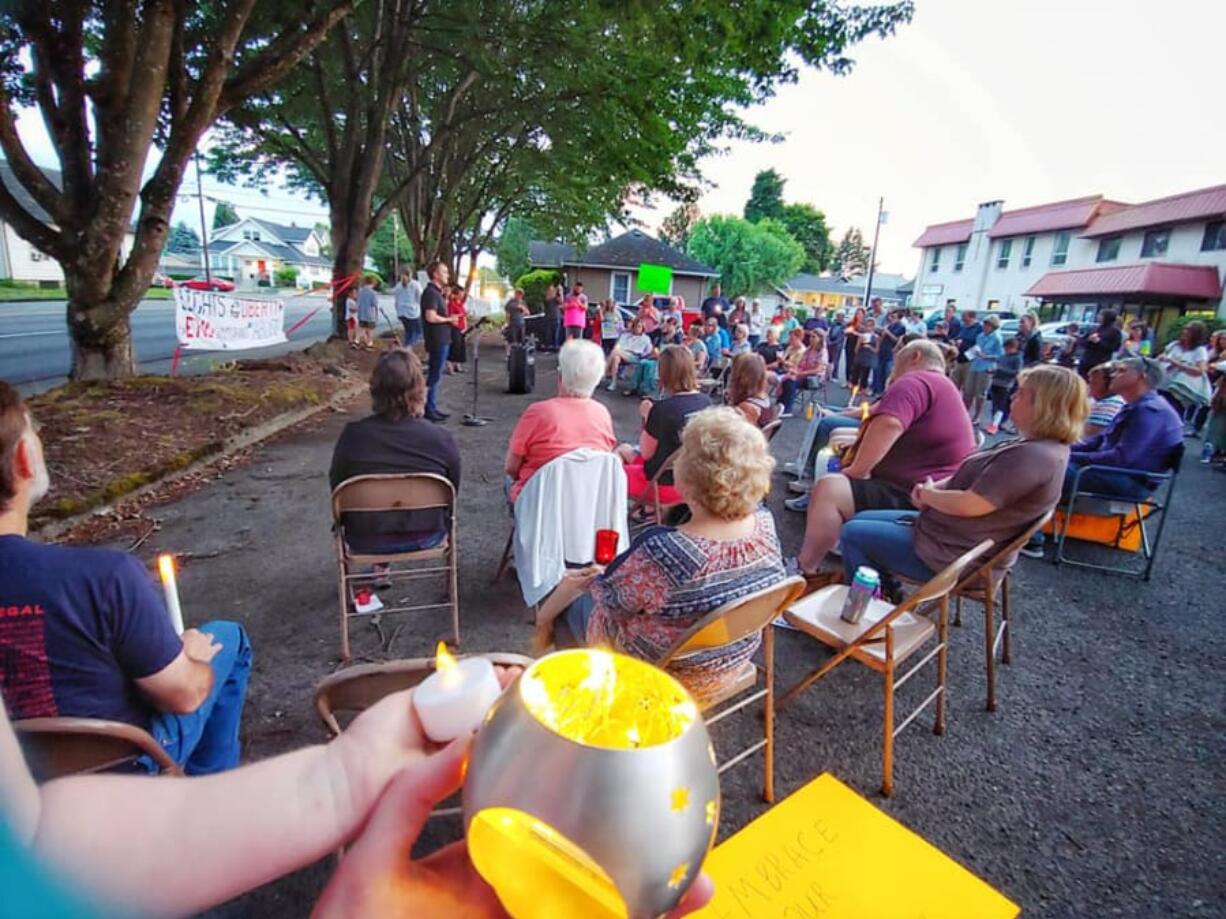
x,y
891,338
85,633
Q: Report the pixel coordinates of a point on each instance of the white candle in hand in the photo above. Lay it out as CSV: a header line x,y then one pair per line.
x,y
166,568
453,700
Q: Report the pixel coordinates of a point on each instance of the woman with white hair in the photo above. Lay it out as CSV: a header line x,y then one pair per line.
x,y
671,577
570,420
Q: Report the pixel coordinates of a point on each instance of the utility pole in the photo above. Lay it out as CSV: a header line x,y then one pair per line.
x,y
204,230
872,259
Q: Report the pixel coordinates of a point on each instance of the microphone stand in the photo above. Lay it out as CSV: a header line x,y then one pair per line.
x,y
472,419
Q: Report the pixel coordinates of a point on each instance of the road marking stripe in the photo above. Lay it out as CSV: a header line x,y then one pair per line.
x,y
30,334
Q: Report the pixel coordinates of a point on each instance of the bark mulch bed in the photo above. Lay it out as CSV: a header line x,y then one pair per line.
x,y
104,441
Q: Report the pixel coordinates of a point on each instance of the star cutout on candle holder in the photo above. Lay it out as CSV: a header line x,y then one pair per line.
x,y
680,799
712,812
677,878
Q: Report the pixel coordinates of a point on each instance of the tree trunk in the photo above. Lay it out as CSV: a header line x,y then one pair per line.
x,y
100,331
349,254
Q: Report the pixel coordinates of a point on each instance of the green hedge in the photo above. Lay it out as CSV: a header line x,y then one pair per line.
x,y
1171,332
535,284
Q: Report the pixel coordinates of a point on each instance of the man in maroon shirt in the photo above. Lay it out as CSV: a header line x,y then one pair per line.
x,y
917,430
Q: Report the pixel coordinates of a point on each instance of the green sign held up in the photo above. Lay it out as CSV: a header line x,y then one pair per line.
x,y
654,279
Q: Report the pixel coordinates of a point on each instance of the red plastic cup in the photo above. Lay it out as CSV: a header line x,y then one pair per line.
x,y
606,546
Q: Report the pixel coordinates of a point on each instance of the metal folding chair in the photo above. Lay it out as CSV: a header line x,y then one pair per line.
x,y
1130,512
56,747
371,494
730,623
882,640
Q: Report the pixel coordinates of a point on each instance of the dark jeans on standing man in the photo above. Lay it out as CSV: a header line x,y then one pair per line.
x,y
438,360
412,330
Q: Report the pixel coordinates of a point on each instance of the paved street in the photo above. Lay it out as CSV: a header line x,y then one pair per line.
x,y
34,347
1094,791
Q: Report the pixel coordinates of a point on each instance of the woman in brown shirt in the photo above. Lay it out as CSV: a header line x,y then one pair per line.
x,y
995,494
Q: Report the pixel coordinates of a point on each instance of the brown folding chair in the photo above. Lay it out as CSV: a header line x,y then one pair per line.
x,y
982,585
56,747
368,494
883,640
730,623
355,689
651,500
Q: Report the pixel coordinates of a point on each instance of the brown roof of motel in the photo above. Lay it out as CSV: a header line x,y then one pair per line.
x,y
1044,218
1189,206
1194,282
944,234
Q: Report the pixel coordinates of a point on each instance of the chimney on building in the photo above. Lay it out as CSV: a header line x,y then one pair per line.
x,y
987,215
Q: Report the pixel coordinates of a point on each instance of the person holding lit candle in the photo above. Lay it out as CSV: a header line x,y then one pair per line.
x,y
671,577
93,637
917,430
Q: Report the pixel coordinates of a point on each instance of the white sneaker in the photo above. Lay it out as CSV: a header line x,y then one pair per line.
x,y
800,486
612,387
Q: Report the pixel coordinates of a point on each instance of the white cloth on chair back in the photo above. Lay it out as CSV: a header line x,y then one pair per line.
x,y
558,513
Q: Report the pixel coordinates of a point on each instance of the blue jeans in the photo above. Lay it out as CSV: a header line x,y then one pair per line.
x,y
753,340
412,330
789,388
1108,483
577,616
438,360
884,540
817,436
884,366
206,741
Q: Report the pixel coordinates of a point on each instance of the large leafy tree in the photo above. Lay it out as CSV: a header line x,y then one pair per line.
x,y
807,225
512,250
182,238
766,197
750,257
676,228
389,248
113,80
494,107
852,256
224,215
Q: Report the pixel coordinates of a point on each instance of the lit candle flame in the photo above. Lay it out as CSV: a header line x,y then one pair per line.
x,y
864,412
445,664
166,568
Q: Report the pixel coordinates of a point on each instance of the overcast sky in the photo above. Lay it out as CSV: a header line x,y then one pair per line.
x,y
1030,101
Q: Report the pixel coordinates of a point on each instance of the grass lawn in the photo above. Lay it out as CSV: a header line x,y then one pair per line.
x,y
14,294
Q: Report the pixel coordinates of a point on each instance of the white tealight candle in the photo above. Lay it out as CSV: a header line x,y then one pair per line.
x,y
453,700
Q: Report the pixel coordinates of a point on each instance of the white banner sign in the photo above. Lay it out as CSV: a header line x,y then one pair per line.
x,y
207,321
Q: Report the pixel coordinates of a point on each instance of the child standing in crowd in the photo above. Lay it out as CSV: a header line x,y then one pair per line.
x,y
351,317
1003,379
866,356
457,354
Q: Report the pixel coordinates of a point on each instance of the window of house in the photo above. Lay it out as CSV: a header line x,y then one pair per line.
x,y
619,287
1028,252
1215,236
1108,249
1006,250
1059,252
35,255
1155,243
936,260
960,257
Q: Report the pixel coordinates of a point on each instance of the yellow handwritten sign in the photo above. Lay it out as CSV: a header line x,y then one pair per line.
x,y
826,853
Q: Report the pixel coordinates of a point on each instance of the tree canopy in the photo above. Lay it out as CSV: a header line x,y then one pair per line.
x,y
224,215
808,227
676,228
766,197
750,257
182,238
513,247
852,256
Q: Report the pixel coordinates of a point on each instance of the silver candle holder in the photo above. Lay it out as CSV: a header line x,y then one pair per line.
x,y
592,790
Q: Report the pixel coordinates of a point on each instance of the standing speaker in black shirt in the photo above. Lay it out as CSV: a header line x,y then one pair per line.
x,y
437,326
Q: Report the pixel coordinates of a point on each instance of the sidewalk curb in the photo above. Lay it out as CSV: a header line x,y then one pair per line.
x,y
53,529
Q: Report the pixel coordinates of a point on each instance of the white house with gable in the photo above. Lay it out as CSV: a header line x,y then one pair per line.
x,y
253,249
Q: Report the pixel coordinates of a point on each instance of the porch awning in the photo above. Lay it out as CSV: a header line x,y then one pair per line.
x,y
1152,279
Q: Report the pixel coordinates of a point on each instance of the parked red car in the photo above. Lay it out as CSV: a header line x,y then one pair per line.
x,y
218,284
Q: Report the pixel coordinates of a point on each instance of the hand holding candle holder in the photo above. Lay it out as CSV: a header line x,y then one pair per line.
x,y
592,790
